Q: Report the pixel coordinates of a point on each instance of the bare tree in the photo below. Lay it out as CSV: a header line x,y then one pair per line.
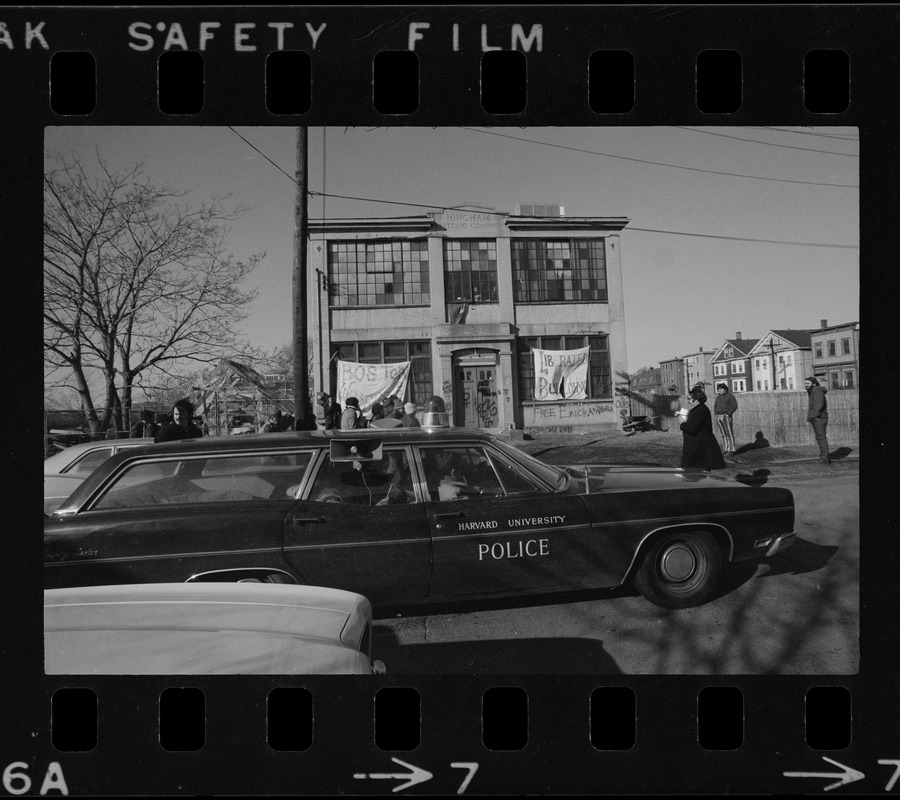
x,y
136,281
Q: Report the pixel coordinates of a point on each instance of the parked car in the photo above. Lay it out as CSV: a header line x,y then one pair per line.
x,y
406,515
64,471
207,629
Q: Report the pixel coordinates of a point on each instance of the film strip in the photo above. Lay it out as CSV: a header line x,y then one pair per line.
x,y
531,724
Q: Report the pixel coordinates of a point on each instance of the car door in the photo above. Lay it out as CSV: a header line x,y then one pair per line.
x,y
176,519
496,528
362,527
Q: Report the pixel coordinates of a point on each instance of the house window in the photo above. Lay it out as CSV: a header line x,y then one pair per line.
x,y
790,383
737,367
557,270
784,383
848,379
758,386
378,273
599,373
757,363
835,380
729,352
720,369
470,270
766,385
845,347
832,350
739,385
421,384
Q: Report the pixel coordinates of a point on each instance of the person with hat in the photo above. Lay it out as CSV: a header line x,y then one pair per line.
x,y
817,416
351,416
725,406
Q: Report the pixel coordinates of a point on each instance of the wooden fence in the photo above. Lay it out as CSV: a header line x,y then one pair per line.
x,y
777,417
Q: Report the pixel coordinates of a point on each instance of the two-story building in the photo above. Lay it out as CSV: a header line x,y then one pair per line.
x,y
835,354
781,360
731,363
467,297
697,369
671,376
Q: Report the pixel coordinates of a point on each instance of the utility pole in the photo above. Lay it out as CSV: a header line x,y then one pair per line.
x,y
772,356
302,408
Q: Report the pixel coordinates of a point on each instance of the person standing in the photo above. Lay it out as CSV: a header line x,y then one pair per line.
x,y
817,416
725,406
146,426
182,426
408,420
700,448
351,416
332,413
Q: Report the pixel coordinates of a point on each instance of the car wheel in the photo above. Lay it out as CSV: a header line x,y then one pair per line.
x,y
680,569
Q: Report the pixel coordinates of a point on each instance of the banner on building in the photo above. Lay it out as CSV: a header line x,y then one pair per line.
x,y
561,374
369,383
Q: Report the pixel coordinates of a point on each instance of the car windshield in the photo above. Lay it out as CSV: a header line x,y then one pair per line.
x,y
556,477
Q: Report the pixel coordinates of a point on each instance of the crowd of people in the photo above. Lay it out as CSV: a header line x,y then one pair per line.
x,y
389,412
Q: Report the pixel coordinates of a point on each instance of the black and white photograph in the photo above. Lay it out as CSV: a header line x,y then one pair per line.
x,y
449,400
559,400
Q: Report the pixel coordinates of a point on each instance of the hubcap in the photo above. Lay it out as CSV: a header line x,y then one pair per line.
x,y
678,563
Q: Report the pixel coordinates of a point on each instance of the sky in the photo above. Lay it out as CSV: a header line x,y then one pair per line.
x,y
697,199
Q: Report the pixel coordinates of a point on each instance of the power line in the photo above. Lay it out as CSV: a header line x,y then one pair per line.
x,y
660,163
768,144
747,239
840,136
642,230
254,147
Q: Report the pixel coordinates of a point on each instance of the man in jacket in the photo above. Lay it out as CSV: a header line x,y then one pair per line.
x,y
726,405
351,416
817,416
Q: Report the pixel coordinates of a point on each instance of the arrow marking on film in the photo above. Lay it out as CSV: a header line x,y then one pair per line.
x,y
417,775
847,776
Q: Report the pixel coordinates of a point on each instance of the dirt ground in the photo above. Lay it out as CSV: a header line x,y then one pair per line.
x,y
752,461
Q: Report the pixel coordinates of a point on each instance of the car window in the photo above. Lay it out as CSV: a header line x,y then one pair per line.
x,y
378,483
513,481
455,473
206,480
85,465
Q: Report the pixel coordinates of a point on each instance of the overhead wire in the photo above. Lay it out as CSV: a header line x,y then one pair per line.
x,y
659,163
630,228
767,144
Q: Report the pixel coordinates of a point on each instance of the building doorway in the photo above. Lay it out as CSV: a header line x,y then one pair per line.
x,y
475,395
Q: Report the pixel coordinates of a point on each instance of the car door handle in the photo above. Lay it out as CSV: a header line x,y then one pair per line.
x,y
307,520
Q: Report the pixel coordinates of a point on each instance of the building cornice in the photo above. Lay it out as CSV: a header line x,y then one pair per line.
x,y
605,224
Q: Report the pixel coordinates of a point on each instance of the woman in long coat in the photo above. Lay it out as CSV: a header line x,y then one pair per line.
x,y
701,449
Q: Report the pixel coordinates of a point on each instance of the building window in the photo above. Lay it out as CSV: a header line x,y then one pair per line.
x,y
759,386
421,384
783,383
818,350
739,385
766,385
832,350
470,270
599,373
379,273
848,380
835,380
720,369
757,363
557,270
845,347
790,383
737,367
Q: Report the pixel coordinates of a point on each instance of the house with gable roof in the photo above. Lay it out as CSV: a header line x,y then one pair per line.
x,y
781,360
731,363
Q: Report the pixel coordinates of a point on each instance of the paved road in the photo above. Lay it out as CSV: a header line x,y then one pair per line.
x,y
796,613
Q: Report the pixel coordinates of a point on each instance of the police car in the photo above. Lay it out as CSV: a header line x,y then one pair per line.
x,y
406,516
